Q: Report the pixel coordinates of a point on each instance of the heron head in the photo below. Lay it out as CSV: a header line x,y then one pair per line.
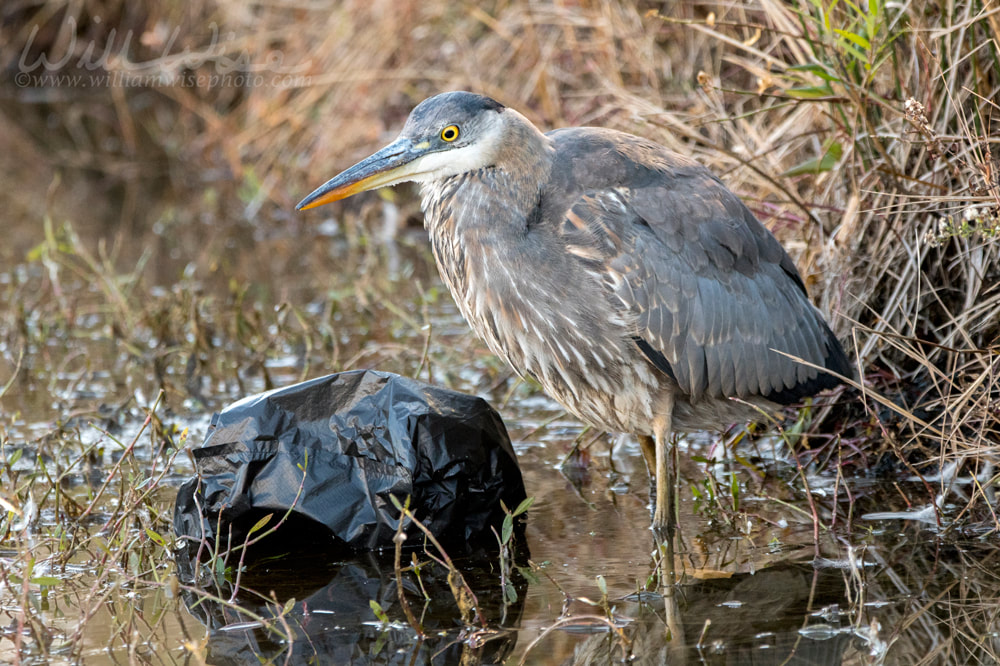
x,y
444,136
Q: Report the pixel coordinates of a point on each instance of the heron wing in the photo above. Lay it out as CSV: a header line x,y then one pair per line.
x,y
713,295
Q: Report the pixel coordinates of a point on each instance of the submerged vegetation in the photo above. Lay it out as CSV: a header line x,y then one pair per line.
x,y
152,271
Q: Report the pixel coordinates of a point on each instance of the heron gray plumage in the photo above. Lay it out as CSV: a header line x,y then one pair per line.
x,y
626,279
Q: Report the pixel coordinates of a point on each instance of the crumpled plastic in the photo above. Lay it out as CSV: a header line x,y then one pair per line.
x,y
334,449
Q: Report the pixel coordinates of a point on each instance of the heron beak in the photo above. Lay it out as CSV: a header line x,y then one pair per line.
x,y
393,164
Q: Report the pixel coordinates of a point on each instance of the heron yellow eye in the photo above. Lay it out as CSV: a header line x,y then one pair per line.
x,y
450,133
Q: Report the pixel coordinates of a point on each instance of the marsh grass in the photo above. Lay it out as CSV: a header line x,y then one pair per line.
x,y
863,134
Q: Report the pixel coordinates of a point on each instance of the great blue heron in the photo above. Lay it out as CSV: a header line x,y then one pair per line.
x,y
624,278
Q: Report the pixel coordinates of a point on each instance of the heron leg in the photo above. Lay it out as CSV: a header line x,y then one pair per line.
x,y
648,446
666,473
660,455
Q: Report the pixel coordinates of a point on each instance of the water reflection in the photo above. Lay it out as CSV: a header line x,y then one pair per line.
x,y
787,614
327,611
766,618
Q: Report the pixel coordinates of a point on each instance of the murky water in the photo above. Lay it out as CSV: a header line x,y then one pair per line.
x,y
770,570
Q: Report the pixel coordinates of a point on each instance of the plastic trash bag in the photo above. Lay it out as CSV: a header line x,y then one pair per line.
x,y
335,448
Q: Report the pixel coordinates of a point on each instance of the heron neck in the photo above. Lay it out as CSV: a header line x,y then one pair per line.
x,y
480,225
495,200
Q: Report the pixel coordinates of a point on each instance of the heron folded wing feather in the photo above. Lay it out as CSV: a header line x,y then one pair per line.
x,y
710,293
690,266
741,347
817,337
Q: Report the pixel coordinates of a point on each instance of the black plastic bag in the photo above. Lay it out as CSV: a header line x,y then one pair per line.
x,y
335,448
